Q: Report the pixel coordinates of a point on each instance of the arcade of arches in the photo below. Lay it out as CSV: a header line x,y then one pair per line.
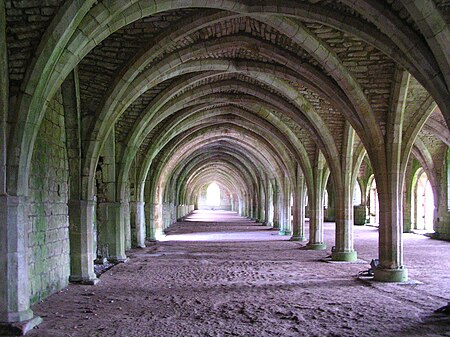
x,y
117,115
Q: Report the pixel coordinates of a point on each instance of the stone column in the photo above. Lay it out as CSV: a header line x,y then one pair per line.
x,y
359,215
344,250
416,213
81,230
261,203
16,317
391,268
81,212
110,220
442,222
286,227
126,223
316,241
276,206
113,230
271,203
157,225
137,223
316,222
149,222
298,231
331,206
247,205
266,203
407,209
390,176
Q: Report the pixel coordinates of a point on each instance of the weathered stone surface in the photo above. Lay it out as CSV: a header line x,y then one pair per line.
x,y
157,107
48,231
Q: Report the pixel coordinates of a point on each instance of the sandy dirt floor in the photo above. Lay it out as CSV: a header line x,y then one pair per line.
x,y
233,277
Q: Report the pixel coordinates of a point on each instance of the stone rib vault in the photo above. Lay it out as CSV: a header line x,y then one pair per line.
x,y
116,115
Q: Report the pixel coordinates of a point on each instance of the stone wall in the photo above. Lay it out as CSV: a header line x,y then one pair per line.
x,y
48,234
442,223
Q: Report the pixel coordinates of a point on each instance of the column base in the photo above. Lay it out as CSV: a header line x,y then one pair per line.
x,y
92,281
100,260
19,328
118,259
298,238
390,275
316,246
344,256
282,232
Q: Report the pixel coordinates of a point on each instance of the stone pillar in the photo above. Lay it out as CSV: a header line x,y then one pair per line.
x,y
266,203
247,206
157,225
286,226
298,231
16,317
261,203
113,233
149,222
410,180
344,250
359,215
316,222
442,222
81,231
316,206
391,268
330,212
414,213
137,224
126,223
276,206
110,219
180,212
271,203
390,176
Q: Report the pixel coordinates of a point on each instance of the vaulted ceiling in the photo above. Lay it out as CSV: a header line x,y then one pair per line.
x,y
235,90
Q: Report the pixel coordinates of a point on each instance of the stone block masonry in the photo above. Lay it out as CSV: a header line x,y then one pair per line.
x,y
48,231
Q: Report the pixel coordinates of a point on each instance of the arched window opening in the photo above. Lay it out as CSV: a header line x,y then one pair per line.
x,y
424,205
356,194
325,199
213,195
374,206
